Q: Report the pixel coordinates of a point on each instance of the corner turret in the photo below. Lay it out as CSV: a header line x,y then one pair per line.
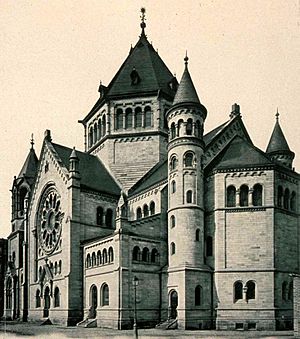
x,y
278,148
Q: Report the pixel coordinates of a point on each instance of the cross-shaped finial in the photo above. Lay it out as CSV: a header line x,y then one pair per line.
x,y
277,115
32,140
186,59
143,24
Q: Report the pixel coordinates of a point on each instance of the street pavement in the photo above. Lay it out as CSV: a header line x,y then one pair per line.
x,y
23,330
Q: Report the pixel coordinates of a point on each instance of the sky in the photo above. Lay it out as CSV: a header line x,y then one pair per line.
x,y
54,54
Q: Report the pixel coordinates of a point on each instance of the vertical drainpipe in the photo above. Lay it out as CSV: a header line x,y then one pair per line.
x,y
120,282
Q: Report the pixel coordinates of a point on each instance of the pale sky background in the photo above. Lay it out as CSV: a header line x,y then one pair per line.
x,y
54,53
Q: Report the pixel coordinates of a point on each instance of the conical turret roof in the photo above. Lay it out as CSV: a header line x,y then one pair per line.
x,y
186,92
30,165
277,141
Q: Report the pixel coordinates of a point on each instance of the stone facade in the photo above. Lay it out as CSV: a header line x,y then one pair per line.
x,y
201,223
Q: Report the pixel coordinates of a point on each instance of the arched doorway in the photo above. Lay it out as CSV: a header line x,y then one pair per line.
x,y
46,302
93,302
173,304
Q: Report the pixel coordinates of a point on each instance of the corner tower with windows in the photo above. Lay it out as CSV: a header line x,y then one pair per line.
x,y
126,126
188,274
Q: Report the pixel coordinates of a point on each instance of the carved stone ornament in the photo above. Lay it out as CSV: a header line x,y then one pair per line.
x,y
50,221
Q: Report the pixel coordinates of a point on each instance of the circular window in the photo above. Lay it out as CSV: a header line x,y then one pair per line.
x,y
50,221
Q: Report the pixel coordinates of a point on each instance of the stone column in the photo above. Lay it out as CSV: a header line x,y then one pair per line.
x,y
237,198
250,197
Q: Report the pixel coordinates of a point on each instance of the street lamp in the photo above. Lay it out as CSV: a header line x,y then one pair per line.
x,y
135,282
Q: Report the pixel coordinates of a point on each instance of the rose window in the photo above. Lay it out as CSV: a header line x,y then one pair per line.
x,y
50,222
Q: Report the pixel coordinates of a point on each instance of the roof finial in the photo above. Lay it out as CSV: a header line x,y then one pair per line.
x,y
32,141
277,115
143,24
186,59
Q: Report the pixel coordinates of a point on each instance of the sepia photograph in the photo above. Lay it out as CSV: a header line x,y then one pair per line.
x,y
149,176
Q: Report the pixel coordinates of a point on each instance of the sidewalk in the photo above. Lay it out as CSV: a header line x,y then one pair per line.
x,y
21,330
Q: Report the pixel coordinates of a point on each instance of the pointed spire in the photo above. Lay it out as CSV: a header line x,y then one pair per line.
x,y
186,92
143,24
277,141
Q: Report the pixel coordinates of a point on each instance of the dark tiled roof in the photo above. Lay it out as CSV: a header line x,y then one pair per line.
x,y
241,154
186,91
213,133
30,165
93,173
157,174
277,141
152,71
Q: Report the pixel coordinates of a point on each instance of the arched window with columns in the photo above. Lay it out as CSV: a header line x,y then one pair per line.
x,y
244,195
139,213
99,216
109,218
138,117
148,116
128,118
231,196
189,127
136,253
99,129
257,195
238,290
104,295
152,208
99,258
95,132
250,290
173,131
293,201
37,299
188,159
119,118
173,162
146,210
286,198
103,125
56,297
91,135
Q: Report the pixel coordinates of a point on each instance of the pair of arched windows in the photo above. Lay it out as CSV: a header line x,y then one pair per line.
x,y
188,160
239,289
243,195
287,291
286,199
147,210
104,218
145,255
104,296
100,259
97,131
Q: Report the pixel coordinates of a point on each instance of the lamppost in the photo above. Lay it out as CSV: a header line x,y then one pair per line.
x,y
135,282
